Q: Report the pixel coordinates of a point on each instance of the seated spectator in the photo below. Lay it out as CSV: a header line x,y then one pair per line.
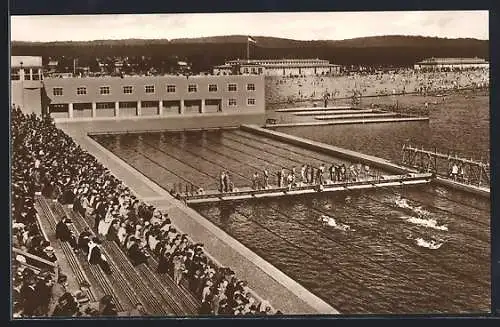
x,y
48,254
137,311
107,306
84,239
64,234
67,306
29,297
135,254
95,256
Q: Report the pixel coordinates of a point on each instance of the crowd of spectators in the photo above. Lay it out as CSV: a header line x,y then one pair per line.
x,y
39,289
50,162
402,81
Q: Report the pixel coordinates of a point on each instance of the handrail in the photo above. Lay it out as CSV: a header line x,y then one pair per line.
x,y
34,257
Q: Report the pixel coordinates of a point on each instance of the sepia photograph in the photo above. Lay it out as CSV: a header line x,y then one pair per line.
x,y
250,164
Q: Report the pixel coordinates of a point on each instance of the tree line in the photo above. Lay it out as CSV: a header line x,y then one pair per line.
x,y
377,51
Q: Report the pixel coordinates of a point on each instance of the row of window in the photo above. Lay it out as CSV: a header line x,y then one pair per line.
x,y
111,105
104,90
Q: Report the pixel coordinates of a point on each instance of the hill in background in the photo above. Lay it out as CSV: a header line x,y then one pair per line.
x,y
203,53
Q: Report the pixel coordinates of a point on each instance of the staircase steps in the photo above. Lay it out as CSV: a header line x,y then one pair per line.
x,y
131,280
80,275
108,283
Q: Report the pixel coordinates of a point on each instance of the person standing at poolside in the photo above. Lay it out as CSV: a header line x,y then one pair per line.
x,y
265,175
221,182
227,181
303,172
332,173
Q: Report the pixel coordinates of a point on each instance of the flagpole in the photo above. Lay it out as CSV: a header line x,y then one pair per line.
x,y
248,49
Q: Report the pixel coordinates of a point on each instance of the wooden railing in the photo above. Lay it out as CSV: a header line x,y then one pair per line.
x,y
53,265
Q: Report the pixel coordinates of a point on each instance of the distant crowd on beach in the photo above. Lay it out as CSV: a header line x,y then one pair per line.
x,y
359,84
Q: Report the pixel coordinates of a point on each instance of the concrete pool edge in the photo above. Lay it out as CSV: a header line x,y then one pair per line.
x,y
215,239
328,149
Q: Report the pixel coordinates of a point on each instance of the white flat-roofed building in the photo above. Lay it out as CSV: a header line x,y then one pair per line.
x,y
289,67
451,64
223,70
156,96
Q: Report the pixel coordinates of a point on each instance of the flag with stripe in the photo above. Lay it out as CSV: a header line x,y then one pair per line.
x,y
250,40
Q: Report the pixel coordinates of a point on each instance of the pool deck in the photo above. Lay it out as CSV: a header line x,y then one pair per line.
x,y
312,109
281,291
327,187
348,121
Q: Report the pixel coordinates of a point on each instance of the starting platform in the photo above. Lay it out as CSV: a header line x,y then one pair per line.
x,y
248,193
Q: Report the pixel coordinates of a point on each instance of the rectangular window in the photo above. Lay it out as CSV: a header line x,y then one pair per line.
x,y
192,88
27,76
105,105
129,104
36,77
127,90
232,102
57,91
245,70
104,90
58,108
81,90
171,88
232,87
251,87
150,88
251,102
212,87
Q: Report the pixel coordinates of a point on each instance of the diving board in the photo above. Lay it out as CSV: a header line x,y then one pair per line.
x,y
314,109
372,183
358,116
334,112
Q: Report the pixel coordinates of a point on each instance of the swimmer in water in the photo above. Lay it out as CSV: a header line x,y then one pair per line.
x,y
402,202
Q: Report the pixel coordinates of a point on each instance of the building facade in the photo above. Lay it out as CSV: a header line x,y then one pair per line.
x,y
155,96
26,75
451,64
281,67
223,70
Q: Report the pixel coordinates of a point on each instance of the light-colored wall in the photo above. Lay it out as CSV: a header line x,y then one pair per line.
x,y
116,84
27,95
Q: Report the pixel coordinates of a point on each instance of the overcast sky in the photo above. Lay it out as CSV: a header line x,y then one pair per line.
x,y
299,26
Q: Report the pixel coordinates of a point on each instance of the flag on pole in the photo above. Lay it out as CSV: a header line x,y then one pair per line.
x,y
250,40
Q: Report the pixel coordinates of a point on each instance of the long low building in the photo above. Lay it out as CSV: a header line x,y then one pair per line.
x,y
154,95
278,67
221,98
451,64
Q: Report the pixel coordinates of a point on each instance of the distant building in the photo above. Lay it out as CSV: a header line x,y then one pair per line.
x,y
52,65
118,64
223,70
284,67
26,75
183,67
451,63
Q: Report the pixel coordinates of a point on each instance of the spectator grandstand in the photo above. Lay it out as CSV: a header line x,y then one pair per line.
x,y
47,164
